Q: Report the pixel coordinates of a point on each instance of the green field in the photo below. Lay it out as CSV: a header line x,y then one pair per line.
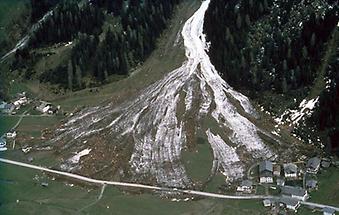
x,y
7,123
8,10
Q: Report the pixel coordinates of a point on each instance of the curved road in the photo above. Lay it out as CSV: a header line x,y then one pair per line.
x,y
155,188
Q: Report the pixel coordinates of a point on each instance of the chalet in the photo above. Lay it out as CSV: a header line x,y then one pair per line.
x,y
246,186
294,192
266,172
311,184
328,211
7,108
313,165
290,170
45,107
291,204
277,170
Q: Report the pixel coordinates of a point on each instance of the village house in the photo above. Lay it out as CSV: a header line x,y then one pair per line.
x,y
11,134
7,108
267,202
311,184
328,211
266,172
246,186
294,192
46,107
290,170
3,144
313,165
290,204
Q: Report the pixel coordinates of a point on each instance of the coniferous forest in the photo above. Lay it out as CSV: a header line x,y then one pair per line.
x,y
98,51
280,48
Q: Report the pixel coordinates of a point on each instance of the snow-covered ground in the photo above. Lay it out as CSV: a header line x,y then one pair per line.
x,y
158,130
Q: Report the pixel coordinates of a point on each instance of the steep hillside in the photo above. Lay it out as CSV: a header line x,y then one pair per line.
x,y
276,52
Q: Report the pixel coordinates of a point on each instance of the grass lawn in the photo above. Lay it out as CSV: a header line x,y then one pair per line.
x,y
6,123
328,192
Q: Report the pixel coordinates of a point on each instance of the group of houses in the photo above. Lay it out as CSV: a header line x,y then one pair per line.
x,y
10,108
290,196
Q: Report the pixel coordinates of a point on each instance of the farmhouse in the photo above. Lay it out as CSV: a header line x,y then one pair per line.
x,y
266,172
290,170
291,204
313,165
246,186
294,192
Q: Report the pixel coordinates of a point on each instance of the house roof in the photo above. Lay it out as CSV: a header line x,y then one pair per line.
x,y
290,168
313,163
246,183
289,201
266,166
2,141
311,183
296,191
328,210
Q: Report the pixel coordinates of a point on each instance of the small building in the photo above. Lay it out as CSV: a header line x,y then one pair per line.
x,y
266,172
280,182
246,186
267,202
277,170
328,211
7,109
11,134
290,204
45,107
290,170
44,184
294,192
3,144
311,184
325,164
313,165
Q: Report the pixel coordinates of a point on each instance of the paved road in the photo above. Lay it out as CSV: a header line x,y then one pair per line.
x,y
155,188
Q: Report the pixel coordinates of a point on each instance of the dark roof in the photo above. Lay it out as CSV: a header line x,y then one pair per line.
x,y
325,164
289,201
290,168
266,166
311,183
246,183
296,191
2,140
328,210
313,163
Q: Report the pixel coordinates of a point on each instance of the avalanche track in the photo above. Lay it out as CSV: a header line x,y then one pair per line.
x,y
156,122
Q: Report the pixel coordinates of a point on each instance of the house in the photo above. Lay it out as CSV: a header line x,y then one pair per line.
x,y
291,204
44,107
277,170
313,165
325,164
328,211
3,144
267,202
311,184
294,192
11,134
280,182
266,172
290,170
8,108
44,184
246,186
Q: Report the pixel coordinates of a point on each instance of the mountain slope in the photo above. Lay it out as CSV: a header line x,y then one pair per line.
x,y
142,139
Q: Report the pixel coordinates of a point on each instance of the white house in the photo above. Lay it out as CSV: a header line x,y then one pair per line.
x,y
290,170
266,172
3,144
246,186
11,134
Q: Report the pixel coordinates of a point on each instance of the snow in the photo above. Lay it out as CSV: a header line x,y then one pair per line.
x,y
76,158
152,120
293,117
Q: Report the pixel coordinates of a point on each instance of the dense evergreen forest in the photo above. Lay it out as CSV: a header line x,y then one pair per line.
x,y
262,46
99,51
